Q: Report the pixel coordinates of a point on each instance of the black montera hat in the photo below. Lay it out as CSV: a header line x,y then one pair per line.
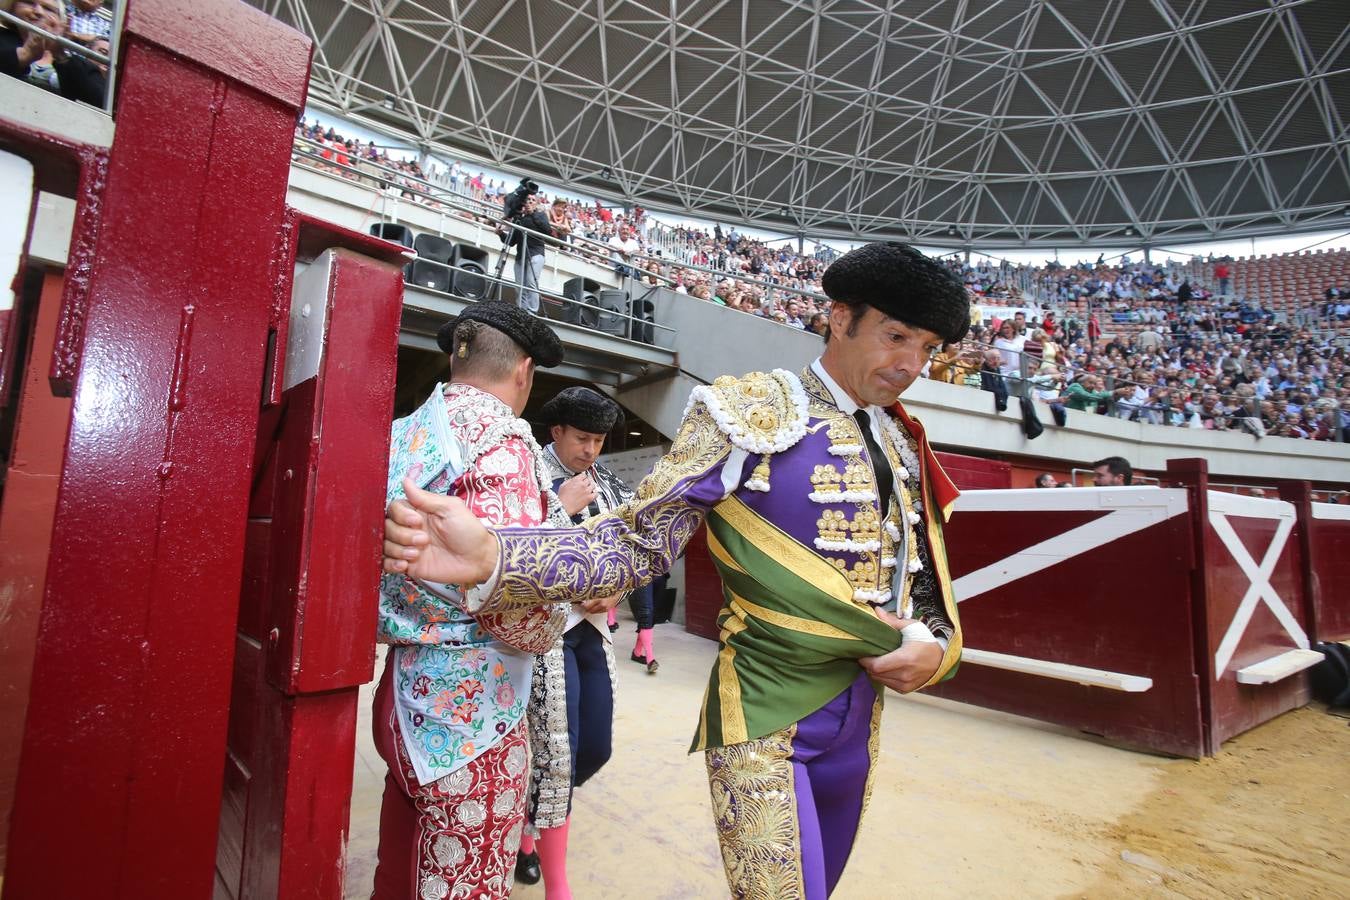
x,y
527,330
904,284
582,408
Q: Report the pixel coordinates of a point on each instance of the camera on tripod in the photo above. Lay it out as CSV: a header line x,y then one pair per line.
x,y
512,233
514,204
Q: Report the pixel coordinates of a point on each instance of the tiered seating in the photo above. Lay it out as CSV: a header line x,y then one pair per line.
x,y
1293,282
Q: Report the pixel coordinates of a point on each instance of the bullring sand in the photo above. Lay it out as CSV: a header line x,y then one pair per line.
x,y
967,803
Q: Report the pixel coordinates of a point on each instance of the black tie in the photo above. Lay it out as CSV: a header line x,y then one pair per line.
x,y
881,466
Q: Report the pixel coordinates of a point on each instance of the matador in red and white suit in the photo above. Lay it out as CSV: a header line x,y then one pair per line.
x,y
449,716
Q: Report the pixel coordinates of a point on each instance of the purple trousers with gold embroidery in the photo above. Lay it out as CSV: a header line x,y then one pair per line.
x,y
787,806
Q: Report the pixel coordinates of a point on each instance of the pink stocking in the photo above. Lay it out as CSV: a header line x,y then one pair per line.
x,y
644,644
553,861
526,844
613,618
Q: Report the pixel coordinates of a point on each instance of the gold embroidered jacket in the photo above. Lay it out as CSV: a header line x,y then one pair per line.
x,y
773,448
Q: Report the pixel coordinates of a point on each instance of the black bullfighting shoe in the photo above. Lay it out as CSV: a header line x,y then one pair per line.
x,y
527,868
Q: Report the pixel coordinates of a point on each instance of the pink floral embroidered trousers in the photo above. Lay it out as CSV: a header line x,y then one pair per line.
x,y
455,838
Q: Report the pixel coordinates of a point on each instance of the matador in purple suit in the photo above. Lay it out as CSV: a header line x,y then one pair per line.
x,y
824,506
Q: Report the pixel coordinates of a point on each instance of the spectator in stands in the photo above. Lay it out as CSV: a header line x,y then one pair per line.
x,y
794,315
623,246
1009,345
1046,480
1047,383
820,324
530,244
1148,341
1222,274
954,365
1136,403
652,275
1086,394
21,48
992,379
559,220
101,45
33,57
1114,471
85,22
1047,386
1212,414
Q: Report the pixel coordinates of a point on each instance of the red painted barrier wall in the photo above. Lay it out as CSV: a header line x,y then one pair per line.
x,y
972,473
1207,602
25,525
1248,582
1329,560
1095,578
122,754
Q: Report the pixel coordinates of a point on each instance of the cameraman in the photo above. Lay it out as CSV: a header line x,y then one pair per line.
x,y
531,227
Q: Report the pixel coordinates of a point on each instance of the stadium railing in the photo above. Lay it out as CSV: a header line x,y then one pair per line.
x,y
380,177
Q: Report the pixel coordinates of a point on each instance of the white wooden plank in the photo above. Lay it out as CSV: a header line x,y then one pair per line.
x,y
1116,681
1278,668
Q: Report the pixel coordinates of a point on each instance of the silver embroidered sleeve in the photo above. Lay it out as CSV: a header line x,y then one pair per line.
x,y
627,547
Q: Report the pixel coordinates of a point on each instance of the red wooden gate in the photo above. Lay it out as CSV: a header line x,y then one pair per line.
x,y
307,608
160,344
170,316
1329,565
1251,622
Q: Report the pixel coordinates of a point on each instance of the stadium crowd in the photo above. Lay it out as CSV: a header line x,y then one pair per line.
x,y
30,55
1130,339
1197,365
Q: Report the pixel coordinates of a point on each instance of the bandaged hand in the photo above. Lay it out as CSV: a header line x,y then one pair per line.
x,y
909,667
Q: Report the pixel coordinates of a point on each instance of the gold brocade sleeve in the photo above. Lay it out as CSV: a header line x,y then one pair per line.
x,y
625,548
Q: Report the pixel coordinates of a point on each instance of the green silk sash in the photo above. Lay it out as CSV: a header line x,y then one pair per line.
x,y
791,633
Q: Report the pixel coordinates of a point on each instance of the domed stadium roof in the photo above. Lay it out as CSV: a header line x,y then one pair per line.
x,y
997,124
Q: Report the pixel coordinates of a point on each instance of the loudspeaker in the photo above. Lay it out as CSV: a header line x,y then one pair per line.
x,y
392,231
399,234
427,269
469,279
581,308
613,312
431,246
644,321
